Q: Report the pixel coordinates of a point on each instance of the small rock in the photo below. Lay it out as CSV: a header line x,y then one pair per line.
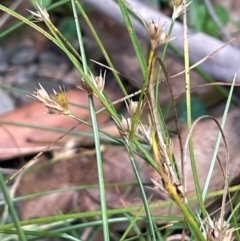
x,y
3,62
50,57
19,74
73,77
52,71
23,55
6,103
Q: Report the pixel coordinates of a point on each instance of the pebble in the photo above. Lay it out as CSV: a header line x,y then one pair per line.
x,y
6,103
73,77
22,77
50,57
52,71
23,67
23,55
3,62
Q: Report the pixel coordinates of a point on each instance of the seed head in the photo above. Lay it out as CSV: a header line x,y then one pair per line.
x,y
98,82
178,8
125,125
177,3
85,86
132,107
41,14
56,103
217,230
156,34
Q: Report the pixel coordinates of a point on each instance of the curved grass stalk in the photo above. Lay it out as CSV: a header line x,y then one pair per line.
x,y
214,157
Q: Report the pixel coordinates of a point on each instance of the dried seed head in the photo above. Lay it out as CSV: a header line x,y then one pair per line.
x,y
56,103
132,107
176,3
125,125
41,14
178,8
98,82
153,30
217,230
156,34
60,98
85,86
41,95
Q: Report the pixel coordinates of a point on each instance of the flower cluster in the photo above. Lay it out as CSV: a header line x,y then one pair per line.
x,y
217,230
178,8
56,103
156,34
41,14
98,82
142,132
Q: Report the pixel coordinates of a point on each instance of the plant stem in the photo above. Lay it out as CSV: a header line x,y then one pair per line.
x,y
189,113
12,210
99,169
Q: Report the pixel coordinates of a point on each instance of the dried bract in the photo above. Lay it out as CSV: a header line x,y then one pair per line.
x,y
143,133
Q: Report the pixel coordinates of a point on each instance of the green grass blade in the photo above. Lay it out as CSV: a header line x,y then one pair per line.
x,y
219,137
100,170
133,36
12,210
101,47
144,198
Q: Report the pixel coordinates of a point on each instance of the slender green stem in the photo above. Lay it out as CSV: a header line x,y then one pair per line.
x,y
133,36
189,114
162,58
142,64
191,222
132,224
80,39
12,210
104,52
100,170
95,133
219,137
223,91
146,154
144,198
